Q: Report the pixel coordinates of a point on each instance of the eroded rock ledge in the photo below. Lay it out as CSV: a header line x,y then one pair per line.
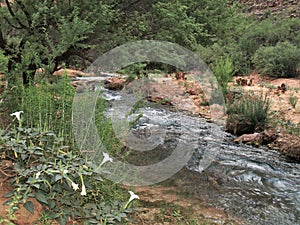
x,y
287,144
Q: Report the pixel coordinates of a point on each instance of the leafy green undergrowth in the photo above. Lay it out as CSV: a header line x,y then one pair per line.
x,y
60,178
48,164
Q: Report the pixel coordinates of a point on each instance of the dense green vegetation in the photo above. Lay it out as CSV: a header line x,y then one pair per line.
x,y
57,34
47,34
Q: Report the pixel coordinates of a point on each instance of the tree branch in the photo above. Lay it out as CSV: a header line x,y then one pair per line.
x,y
13,26
23,8
14,15
2,41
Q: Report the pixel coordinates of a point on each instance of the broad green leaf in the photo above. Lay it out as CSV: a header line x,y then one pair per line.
x,y
63,220
29,206
41,197
51,204
57,177
9,194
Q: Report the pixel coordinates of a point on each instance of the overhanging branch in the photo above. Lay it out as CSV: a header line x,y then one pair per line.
x,y
23,8
8,4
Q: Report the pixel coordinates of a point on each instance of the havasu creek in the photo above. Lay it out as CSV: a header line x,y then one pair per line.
x,y
257,185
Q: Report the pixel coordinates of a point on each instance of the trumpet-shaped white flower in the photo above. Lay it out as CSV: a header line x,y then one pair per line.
x,y
74,186
17,115
83,191
106,158
132,196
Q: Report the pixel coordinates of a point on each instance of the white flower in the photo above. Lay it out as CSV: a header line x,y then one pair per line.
x,y
17,115
83,192
65,171
132,196
106,158
74,186
37,175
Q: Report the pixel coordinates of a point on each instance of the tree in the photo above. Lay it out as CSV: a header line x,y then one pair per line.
x,y
42,34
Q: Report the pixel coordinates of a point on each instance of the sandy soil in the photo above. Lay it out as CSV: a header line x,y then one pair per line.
x,y
165,206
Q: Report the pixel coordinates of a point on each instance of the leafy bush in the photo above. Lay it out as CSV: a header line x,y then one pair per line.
x,y
248,113
172,21
268,32
54,174
241,63
282,60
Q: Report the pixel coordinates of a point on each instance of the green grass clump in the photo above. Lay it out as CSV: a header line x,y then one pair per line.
x,y
293,100
49,107
248,113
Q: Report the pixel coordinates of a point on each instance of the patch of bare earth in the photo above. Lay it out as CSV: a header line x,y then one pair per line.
x,y
279,97
21,216
161,205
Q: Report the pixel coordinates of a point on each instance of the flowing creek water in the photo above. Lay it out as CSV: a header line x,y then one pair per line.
x,y
258,185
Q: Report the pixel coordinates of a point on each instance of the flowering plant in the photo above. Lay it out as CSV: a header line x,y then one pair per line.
x,y
56,175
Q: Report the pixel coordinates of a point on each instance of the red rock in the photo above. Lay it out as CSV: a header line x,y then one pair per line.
x,y
114,83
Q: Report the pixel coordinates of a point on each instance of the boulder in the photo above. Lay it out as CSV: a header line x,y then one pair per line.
x,y
263,138
160,100
253,139
289,145
114,83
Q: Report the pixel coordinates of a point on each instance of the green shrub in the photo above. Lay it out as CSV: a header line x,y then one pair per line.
x,y
248,113
268,32
259,33
59,178
223,70
241,63
3,62
282,60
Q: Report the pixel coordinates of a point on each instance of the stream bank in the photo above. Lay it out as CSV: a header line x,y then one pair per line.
x,y
256,185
